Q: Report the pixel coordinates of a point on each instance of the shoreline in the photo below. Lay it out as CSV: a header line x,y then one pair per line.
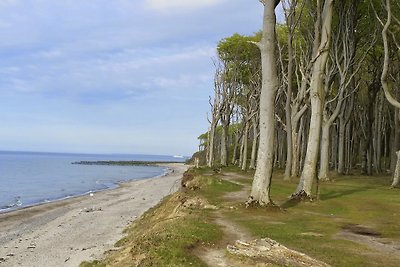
x,y
116,185
67,232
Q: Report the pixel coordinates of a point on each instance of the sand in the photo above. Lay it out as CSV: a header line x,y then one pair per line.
x,y
67,232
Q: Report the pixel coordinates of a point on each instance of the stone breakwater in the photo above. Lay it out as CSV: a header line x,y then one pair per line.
x,y
125,163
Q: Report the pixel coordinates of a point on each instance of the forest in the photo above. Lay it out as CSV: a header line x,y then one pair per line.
x,y
315,95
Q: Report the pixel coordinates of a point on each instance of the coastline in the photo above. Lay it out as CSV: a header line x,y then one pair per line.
x,y
69,231
116,185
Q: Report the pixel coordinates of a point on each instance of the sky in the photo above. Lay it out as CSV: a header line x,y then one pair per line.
x,y
120,76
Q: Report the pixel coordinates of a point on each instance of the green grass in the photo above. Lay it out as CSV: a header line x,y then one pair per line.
x,y
167,238
170,248
216,188
347,200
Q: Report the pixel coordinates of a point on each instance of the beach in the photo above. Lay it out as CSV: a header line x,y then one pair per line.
x,y
67,232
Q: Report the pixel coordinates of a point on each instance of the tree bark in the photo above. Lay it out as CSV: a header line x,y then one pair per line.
x,y
260,191
290,21
396,175
254,145
210,159
224,141
317,96
245,146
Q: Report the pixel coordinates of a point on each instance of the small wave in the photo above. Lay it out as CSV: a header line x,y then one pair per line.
x,y
17,203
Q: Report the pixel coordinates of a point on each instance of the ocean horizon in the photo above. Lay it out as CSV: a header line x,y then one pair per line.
x,y
31,178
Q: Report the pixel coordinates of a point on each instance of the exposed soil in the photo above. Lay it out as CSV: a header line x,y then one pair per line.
x,y
371,238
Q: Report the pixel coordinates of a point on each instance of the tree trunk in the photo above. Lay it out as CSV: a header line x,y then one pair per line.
x,y
324,161
224,145
395,145
341,141
396,175
385,84
245,145
210,159
317,96
254,145
235,148
260,191
288,112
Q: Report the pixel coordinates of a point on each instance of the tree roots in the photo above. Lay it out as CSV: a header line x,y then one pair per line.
x,y
301,196
253,203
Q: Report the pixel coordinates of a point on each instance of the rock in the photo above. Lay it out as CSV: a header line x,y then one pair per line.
x,y
2,259
10,255
32,245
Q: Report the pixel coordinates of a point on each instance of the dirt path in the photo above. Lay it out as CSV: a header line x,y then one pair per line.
x,y
374,242
216,256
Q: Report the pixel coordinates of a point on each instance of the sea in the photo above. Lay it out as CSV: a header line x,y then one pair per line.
x,y
32,178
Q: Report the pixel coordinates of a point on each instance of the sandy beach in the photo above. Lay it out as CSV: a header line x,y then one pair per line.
x,y
67,232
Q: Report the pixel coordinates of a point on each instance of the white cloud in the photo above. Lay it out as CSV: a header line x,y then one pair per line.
x,y
181,4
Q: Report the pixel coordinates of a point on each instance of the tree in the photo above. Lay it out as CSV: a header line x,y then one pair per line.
x,y
384,77
292,21
322,40
260,191
216,107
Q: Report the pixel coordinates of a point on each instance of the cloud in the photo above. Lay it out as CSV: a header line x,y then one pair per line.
x,y
71,70
181,4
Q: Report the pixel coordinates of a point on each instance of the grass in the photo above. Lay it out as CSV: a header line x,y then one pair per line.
x,y
166,236
348,200
216,188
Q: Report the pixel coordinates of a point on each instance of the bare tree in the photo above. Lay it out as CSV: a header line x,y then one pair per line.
x,y
322,40
216,106
384,77
260,191
289,7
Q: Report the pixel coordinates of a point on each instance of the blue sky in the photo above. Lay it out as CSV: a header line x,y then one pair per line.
x,y
120,76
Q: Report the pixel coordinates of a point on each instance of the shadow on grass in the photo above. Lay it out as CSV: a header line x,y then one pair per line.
x,y
292,202
341,193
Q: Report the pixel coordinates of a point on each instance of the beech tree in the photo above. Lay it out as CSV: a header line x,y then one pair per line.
x,y
260,191
322,41
216,106
386,34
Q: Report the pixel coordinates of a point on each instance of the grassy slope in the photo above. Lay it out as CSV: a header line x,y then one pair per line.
x,y
165,235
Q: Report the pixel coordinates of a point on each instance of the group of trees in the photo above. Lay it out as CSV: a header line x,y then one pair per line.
x,y
309,95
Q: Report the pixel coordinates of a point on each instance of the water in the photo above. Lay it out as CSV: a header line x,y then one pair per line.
x,y
28,178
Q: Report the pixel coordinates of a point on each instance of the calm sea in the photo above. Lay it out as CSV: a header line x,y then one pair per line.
x,y
28,178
